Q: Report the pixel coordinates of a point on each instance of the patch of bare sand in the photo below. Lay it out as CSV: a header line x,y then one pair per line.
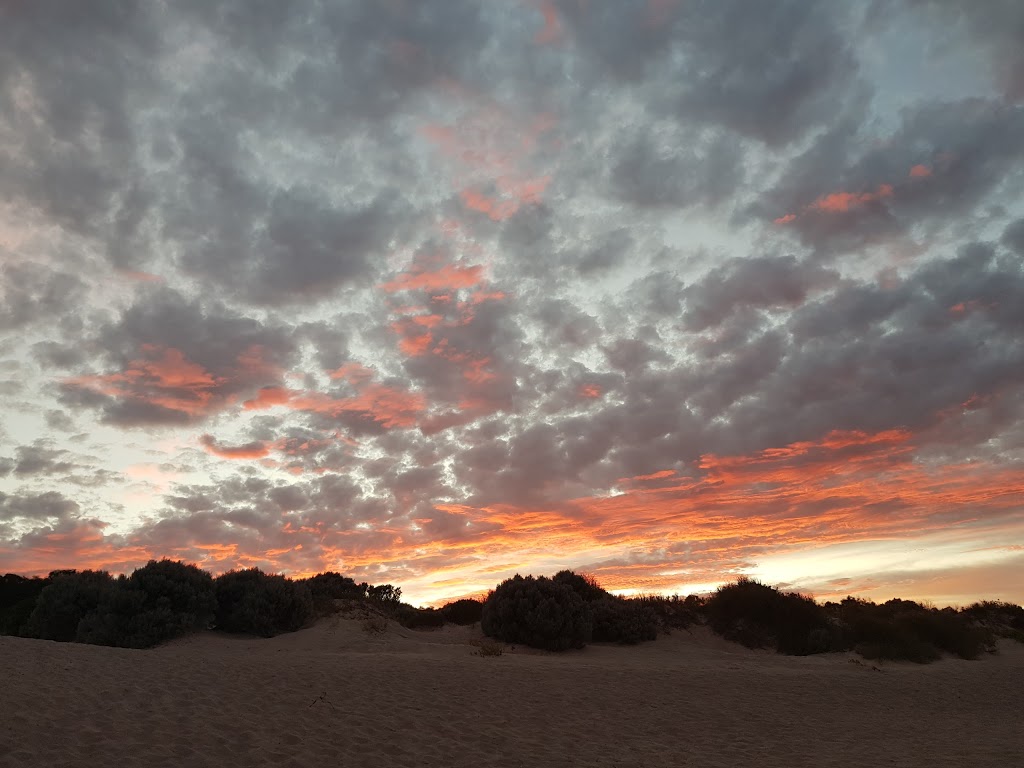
x,y
337,695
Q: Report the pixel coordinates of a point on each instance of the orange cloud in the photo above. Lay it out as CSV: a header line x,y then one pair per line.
x,y
254,450
552,30
841,202
590,391
164,377
447,276
838,202
920,172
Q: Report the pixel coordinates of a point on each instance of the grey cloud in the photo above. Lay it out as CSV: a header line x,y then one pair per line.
x,y
235,356
49,505
757,283
1013,237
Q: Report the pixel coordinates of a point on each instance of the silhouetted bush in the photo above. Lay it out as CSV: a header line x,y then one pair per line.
x,y
261,604
385,594
18,598
760,616
583,585
623,621
463,612
908,631
540,613
69,597
674,612
417,618
160,601
1001,619
330,586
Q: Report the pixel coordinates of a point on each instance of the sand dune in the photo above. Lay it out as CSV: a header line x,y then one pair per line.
x,y
337,695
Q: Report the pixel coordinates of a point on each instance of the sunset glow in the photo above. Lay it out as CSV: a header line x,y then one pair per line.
x,y
432,294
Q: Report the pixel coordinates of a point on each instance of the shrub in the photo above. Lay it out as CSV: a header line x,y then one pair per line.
x,y
18,597
760,616
487,648
1001,619
385,594
623,621
673,612
69,597
261,604
160,601
895,630
463,612
583,585
330,586
417,618
540,613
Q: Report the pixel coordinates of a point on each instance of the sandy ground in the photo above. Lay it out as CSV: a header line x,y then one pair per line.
x,y
334,695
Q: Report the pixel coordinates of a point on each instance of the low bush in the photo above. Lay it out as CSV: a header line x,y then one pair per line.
x,y
623,621
160,601
327,587
258,603
908,631
463,612
760,616
487,648
61,606
1001,619
537,612
583,585
18,597
674,612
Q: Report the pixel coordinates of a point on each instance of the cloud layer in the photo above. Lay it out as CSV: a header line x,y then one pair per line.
x,y
430,294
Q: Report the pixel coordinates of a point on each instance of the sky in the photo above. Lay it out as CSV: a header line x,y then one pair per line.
x,y
432,293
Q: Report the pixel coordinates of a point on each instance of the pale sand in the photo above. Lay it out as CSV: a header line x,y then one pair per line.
x,y
335,696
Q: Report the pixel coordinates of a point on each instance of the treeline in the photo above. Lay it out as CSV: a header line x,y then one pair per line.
x,y
166,599
570,610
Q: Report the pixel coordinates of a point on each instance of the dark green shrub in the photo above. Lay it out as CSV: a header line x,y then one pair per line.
x,y
890,631
69,597
583,585
330,586
18,598
623,621
760,616
463,612
540,613
160,601
258,603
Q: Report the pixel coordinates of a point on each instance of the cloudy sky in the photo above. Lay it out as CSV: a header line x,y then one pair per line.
x,y
435,292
